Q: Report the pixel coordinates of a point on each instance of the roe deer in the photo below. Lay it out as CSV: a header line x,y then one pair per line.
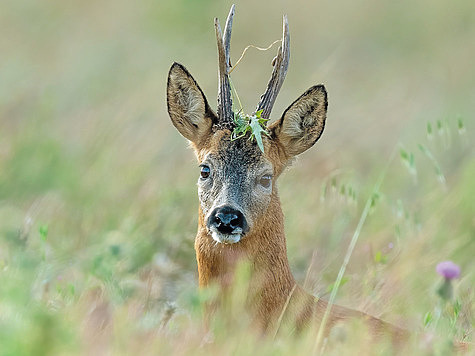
x,y
240,217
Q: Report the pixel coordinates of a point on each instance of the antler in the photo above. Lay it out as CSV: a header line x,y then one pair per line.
x,y
225,102
280,63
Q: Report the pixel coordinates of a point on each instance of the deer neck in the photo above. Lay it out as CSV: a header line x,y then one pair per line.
x,y
265,250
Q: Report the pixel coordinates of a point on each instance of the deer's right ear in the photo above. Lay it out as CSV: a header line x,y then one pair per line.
x,y
187,105
303,121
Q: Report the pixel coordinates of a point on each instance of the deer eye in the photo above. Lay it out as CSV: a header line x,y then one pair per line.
x,y
265,180
204,172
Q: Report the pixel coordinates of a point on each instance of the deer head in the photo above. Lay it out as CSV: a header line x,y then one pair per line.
x,y
237,183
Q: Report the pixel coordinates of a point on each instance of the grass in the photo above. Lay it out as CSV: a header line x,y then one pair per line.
x,y
97,190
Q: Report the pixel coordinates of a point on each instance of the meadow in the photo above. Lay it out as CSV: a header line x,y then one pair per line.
x,y
98,203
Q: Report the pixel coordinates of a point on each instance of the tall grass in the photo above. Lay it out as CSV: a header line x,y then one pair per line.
x,y
97,191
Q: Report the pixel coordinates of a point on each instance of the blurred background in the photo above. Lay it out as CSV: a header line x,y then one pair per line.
x,y
98,205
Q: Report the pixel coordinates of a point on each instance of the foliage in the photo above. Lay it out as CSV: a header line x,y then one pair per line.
x,y
98,204
253,124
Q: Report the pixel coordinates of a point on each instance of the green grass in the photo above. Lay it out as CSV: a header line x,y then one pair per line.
x,y
98,205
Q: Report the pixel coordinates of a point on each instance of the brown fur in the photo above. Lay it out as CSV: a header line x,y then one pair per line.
x,y
272,280
272,290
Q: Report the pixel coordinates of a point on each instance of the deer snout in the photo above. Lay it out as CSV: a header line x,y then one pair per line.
x,y
227,220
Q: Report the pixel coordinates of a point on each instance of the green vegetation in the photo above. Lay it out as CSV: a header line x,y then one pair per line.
x,y
98,206
253,124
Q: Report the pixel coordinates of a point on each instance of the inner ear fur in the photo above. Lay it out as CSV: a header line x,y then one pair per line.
x,y
187,105
302,123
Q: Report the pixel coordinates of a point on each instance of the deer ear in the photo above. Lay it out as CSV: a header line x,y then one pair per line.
x,y
303,121
187,105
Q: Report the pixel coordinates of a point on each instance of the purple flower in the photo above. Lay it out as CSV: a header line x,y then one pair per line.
x,y
448,270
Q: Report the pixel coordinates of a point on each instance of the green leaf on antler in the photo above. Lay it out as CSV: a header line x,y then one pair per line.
x,y
255,124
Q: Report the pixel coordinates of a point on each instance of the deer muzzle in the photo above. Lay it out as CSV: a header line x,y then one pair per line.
x,y
227,224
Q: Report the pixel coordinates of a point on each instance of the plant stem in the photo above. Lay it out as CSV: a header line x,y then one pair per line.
x,y
349,252
234,92
245,50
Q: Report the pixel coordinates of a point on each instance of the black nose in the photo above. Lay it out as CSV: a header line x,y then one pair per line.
x,y
227,220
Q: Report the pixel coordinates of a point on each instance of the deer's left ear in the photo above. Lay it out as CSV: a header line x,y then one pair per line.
x,y
303,121
187,105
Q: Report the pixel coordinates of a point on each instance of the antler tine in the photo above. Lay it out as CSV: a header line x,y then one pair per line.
x,y
227,35
281,64
225,111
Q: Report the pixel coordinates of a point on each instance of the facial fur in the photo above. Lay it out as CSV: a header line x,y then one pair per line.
x,y
238,184
239,178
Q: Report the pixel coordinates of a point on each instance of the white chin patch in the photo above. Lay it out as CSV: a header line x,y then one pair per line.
x,y
225,238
